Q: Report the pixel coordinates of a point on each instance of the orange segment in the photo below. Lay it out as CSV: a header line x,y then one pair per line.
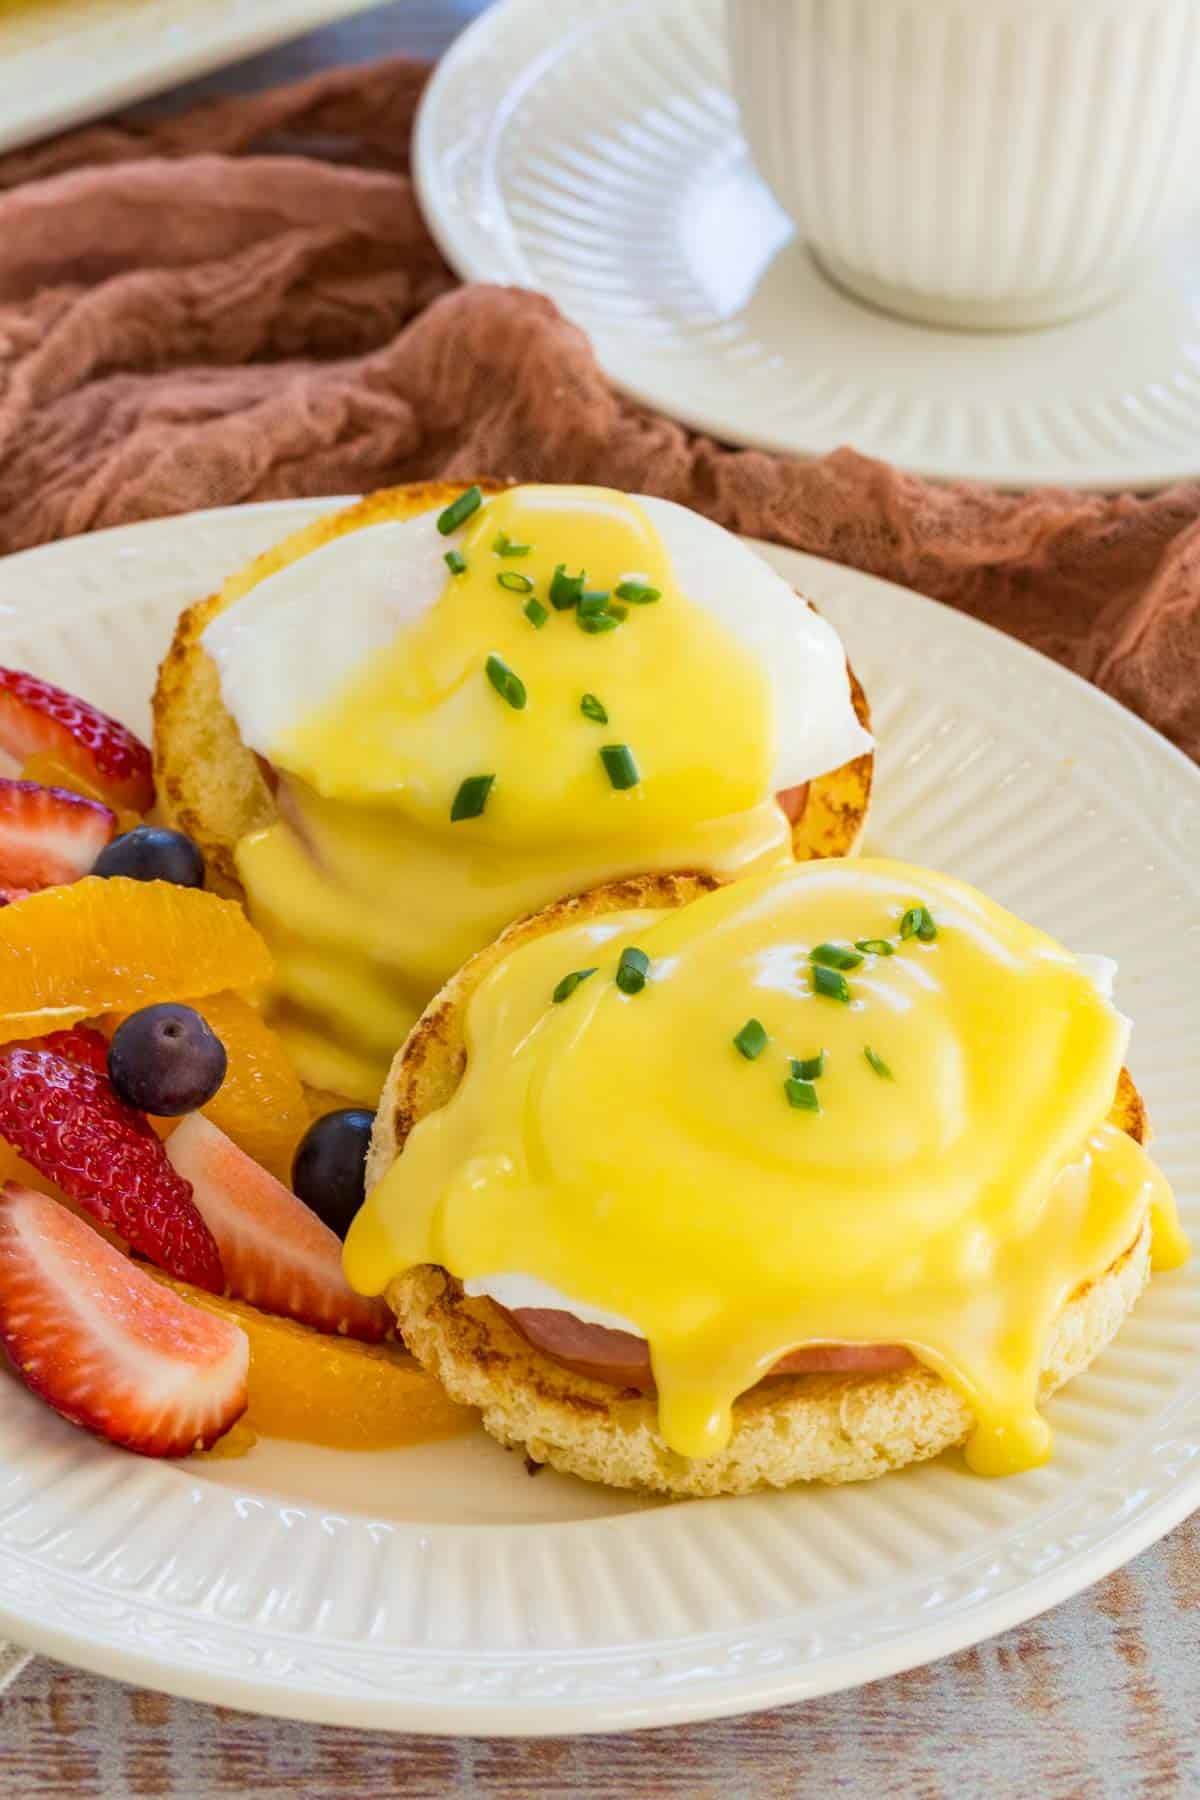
x,y
261,1102
332,1390
45,768
98,946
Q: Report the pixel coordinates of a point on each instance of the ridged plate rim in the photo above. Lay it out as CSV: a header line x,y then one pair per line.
x,y
1108,441
104,1620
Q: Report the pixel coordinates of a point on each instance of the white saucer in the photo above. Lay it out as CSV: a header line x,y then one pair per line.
x,y
594,153
439,1588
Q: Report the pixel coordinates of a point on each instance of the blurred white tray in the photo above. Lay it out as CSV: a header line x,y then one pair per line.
x,y
62,61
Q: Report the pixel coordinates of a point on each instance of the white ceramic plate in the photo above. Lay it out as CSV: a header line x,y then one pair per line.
x,y
442,1589
594,153
66,60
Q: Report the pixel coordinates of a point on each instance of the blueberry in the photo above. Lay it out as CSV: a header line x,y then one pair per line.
x,y
166,1059
152,853
329,1170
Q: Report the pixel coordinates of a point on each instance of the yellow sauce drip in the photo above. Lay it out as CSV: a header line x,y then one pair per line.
x,y
370,897
621,1150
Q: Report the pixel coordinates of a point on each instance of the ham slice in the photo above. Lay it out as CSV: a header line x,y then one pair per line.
x,y
623,1359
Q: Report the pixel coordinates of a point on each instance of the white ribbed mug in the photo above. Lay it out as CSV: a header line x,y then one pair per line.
x,y
979,163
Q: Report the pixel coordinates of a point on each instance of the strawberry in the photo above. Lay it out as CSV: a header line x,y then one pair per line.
x,y
81,1044
36,718
10,895
109,1347
65,1119
275,1251
48,835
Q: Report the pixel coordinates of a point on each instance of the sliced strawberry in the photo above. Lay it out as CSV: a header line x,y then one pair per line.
x,y
65,1119
48,835
109,1347
275,1251
36,717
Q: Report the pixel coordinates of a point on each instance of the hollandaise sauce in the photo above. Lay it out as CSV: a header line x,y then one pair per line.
x,y
562,714
848,1103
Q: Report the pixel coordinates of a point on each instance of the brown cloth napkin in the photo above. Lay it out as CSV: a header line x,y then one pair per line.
x,y
244,303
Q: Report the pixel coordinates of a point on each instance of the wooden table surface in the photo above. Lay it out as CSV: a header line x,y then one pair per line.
x,y
1100,1697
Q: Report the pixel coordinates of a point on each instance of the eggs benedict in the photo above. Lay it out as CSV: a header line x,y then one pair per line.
x,y
697,1189
416,721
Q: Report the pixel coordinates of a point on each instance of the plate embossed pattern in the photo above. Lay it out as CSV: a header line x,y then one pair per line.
x,y
441,1589
596,154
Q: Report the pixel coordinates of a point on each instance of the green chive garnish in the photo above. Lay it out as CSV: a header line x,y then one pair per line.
x,y
877,1063
875,946
460,510
456,564
808,1068
508,685
515,583
618,612
591,708
802,1095
833,956
471,798
569,983
619,765
565,589
632,970
595,623
503,545
594,601
830,983
637,593
536,613
918,922
751,1040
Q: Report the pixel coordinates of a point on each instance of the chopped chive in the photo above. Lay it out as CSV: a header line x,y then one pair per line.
x,y
877,1063
536,613
503,545
927,930
595,623
591,708
637,593
565,589
802,1095
833,956
456,563
569,983
632,970
918,922
830,983
514,582
751,1040
808,1068
460,510
594,601
508,685
619,765
875,946
618,612
471,798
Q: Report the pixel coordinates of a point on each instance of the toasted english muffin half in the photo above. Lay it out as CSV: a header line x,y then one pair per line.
x,y
211,786
790,1428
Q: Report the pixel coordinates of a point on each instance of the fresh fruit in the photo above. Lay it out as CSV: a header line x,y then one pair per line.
x,y
71,953
10,895
81,1044
36,718
261,1103
329,1173
332,1390
153,853
48,835
275,1252
109,1347
49,771
166,1059
66,1120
